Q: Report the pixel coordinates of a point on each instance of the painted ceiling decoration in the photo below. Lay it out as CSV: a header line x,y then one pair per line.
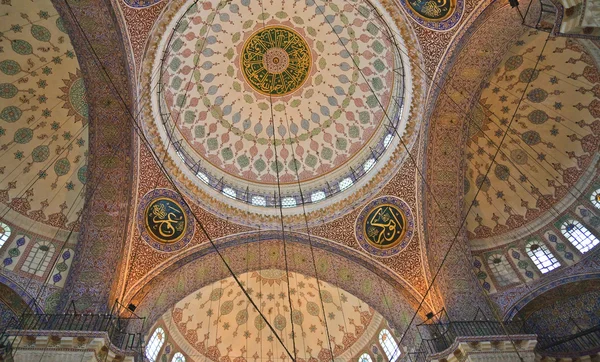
x,y
141,3
164,220
275,61
217,323
551,144
251,98
43,119
438,15
385,226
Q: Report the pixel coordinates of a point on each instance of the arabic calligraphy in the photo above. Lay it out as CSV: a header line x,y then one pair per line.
x,y
165,220
385,226
432,9
275,61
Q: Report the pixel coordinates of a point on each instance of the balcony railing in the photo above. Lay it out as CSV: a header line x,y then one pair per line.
x,y
443,335
113,325
581,343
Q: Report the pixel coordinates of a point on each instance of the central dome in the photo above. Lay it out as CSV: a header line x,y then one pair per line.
x,y
252,95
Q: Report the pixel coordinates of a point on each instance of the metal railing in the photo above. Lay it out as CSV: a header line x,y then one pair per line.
x,y
584,342
113,325
443,335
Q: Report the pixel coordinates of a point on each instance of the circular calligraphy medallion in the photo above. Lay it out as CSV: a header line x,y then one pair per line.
x,y
385,226
435,10
164,221
275,60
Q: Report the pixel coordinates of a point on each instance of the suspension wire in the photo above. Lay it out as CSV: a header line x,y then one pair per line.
x,y
312,253
553,207
168,176
488,171
390,37
472,203
162,71
493,310
62,247
60,251
285,253
71,231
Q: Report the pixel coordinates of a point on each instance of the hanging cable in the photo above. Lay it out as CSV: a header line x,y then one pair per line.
x,y
167,175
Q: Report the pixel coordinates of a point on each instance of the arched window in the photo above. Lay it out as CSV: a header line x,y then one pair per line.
x,y
317,196
391,349
345,183
387,140
595,198
288,202
369,164
38,258
178,357
541,256
229,192
4,233
202,176
259,201
365,357
579,235
154,344
502,270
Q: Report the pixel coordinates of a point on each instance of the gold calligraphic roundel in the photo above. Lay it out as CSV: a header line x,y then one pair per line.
x,y
165,220
275,61
385,226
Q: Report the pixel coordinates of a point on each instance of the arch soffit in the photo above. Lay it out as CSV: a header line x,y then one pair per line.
x,y
110,149
514,308
18,298
468,63
338,265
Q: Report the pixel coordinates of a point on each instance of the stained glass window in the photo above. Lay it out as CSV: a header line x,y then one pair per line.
x,y
387,140
229,192
202,176
288,202
369,164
